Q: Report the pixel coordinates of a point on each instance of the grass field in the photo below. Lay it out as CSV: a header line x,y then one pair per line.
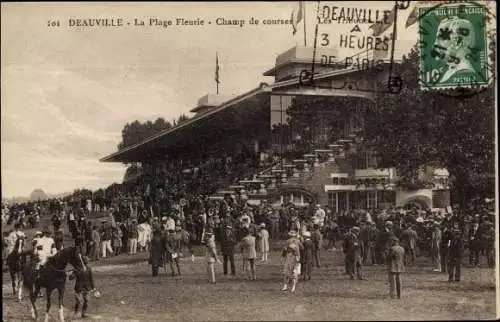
x,y
130,293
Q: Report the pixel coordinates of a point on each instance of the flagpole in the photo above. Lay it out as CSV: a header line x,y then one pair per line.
x,y
394,37
304,11
217,70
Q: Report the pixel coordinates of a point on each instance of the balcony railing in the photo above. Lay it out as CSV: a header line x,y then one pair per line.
x,y
387,173
440,172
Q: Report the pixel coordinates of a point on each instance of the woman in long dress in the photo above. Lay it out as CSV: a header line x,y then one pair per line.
x,y
291,253
307,256
264,242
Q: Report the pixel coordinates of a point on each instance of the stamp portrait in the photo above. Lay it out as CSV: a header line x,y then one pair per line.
x,y
454,46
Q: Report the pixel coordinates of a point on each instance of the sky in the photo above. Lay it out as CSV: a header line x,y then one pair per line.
x,y
67,92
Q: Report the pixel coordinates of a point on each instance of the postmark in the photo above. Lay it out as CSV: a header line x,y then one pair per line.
x,y
366,44
456,48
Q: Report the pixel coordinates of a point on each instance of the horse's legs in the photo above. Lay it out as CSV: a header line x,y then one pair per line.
x,y
20,285
13,280
33,297
61,308
85,305
77,302
49,293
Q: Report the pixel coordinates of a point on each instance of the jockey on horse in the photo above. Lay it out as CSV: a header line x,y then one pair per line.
x,y
14,257
13,236
36,238
43,248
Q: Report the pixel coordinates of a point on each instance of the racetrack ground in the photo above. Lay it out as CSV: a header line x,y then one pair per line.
x,y
130,293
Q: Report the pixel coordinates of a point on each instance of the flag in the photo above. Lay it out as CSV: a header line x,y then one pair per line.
x,y
381,26
297,16
217,68
413,17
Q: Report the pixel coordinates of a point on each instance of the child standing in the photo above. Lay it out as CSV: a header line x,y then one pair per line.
x,y
264,242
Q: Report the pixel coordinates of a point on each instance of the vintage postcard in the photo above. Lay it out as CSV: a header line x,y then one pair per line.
x,y
249,161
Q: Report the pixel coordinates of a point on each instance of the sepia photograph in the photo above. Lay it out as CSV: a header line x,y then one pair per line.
x,y
249,161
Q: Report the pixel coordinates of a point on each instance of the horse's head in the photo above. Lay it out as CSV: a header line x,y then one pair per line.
x,y
19,246
70,255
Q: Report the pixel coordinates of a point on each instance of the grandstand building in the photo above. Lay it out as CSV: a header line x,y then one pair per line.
x,y
319,158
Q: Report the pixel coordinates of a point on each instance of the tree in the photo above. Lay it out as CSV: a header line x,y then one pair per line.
x,y
307,114
427,128
182,118
136,131
38,194
132,172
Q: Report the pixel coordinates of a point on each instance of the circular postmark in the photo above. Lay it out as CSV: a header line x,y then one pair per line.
x,y
457,48
306,78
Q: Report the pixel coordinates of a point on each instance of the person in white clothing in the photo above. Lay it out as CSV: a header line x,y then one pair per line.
x,y
44,249
245,220
37,238
320,215
170,223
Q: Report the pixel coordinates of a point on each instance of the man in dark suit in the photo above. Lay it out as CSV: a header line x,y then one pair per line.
x,y
474,234
445,239
409,240
352,251
395,266
228,241
455,250
384,241
489,243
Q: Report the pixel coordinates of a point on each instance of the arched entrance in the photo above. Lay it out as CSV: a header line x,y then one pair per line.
x,y
419,202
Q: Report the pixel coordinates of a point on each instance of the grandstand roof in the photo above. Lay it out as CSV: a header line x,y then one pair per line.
x,y
143,151
139,152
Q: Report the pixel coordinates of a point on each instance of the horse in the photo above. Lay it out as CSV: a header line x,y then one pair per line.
x,y
52,276
16,261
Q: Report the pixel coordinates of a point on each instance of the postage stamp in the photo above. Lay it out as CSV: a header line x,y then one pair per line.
x,y
454,46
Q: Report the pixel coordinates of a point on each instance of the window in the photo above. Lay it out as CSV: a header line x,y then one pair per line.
x,y
332,199
371,159
385,199
371,199
361,161
355,121
359,200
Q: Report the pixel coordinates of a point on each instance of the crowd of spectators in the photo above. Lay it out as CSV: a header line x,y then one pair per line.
x,y
177,195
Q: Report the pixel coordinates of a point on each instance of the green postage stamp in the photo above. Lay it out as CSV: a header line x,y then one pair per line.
x,y
455,46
